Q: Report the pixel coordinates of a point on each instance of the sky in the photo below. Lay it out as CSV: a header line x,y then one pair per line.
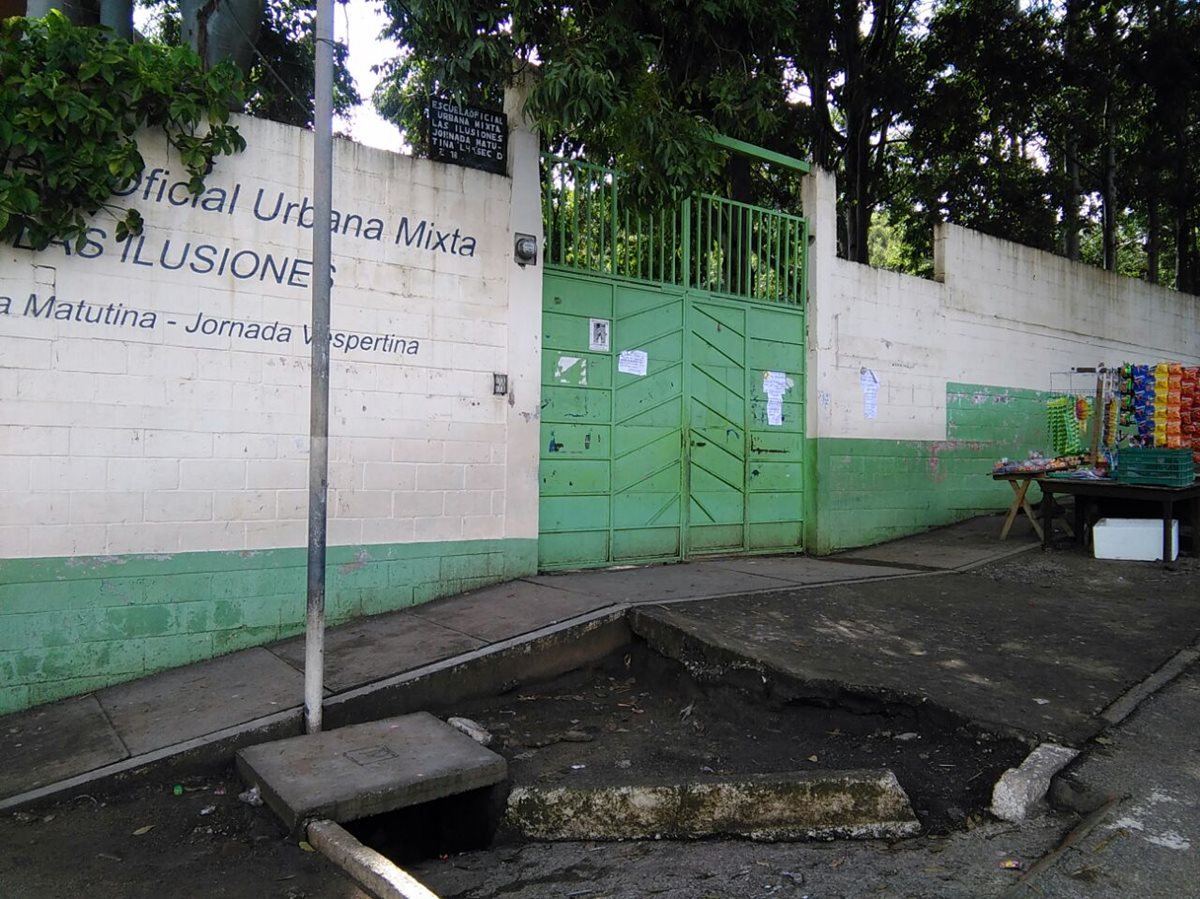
x,y
358,24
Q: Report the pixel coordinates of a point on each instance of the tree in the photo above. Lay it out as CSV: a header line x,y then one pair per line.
x,y
859,61
72,102
974,152
1055,123
641,84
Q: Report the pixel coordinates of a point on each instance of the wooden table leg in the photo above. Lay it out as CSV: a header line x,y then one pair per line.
x,y
1018,501
1029,513
1047,516
1020,504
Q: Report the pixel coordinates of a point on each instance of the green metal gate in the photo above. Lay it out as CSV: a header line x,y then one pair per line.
x,y
677,430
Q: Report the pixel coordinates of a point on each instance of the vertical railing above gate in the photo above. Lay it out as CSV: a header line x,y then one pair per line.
x,y
717,245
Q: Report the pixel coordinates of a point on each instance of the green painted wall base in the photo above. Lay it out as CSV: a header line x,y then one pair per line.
x,y
869,491
71,625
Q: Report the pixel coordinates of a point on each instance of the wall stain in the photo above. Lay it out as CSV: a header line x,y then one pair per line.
x,y
361,558
936,449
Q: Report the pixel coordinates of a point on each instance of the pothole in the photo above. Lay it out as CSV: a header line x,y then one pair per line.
x,y
638,718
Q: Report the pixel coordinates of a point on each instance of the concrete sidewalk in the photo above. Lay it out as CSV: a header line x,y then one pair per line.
x,y
901,617
215,706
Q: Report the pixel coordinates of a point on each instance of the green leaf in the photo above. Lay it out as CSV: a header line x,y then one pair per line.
x,y
77,141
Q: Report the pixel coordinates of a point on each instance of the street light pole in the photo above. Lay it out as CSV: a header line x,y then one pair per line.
x,y
318,439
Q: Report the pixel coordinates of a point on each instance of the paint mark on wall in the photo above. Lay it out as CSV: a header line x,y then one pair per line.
x,y
870,388
935,454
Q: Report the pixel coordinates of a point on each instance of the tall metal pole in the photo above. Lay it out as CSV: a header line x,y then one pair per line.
x,y
318,439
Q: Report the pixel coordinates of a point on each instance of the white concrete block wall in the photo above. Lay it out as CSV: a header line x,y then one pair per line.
x,y
998,314
189,435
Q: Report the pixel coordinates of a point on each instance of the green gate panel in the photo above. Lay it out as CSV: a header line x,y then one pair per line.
x,y
575,471
704,453
572,549
572,405
569,477
577,441
576,297
776,465
716,427
647,543
647,424
566,368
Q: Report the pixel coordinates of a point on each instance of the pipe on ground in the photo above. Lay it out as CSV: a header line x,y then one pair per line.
x,y
375,873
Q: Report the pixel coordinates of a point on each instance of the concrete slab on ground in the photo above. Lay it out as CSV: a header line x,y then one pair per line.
x,y
785,806
184,703
967,543
371,649
31,744
1042,663
368,769
508,610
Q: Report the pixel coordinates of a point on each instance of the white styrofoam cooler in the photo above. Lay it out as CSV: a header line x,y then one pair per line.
x,y
1132,539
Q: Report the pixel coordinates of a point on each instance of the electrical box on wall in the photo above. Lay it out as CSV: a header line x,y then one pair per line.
x,y
525,249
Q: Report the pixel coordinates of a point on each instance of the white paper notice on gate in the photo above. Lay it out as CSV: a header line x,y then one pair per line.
x,y
775,385
633,362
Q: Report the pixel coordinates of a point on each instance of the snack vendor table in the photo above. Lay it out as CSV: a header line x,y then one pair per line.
x,y
1165,497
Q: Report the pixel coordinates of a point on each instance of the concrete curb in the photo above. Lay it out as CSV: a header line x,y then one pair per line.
x,y
1019,789
1125,705
785,806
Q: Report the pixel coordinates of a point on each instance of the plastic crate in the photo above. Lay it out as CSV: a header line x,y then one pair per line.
x,y
1155,466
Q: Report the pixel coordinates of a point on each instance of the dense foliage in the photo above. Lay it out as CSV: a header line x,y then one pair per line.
x,y
72,102
1067,125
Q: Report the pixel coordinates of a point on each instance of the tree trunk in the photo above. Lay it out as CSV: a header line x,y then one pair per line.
x,y
858,188
1185,254
1071,204
857,108
222,29
1110,183
1070,209
118,15
1152,239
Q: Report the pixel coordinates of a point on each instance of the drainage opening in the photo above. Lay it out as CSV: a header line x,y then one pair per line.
x,y
640,718
466,822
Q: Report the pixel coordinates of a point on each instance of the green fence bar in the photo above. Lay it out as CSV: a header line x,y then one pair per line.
x,y
721,246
